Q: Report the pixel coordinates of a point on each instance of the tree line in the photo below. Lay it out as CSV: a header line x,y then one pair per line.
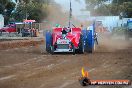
x,y
123,8
18,10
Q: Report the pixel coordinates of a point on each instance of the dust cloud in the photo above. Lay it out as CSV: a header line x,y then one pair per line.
x,y
57,15
109,43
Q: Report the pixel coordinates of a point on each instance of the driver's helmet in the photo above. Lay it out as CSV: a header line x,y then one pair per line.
x,y
64,32
64,28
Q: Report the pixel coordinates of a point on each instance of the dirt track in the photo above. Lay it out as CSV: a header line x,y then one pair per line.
x,y
32,67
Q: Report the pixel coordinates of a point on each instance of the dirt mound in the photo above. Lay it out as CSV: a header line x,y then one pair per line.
x,y
19,43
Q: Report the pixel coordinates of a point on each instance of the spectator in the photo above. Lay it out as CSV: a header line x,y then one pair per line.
x,y
95,37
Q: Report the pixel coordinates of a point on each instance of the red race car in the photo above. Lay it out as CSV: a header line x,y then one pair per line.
x,y
65,40
9,28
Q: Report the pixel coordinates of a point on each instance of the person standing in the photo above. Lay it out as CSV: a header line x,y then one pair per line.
x,y
96,37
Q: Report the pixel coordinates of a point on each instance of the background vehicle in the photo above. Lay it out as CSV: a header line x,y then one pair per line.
x,y
128,32
9,28
26,28
26,32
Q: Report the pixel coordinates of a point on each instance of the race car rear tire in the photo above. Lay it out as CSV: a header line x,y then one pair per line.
x,y
89,42
48,38
90,50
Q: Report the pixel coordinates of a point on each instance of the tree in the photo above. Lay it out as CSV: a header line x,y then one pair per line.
x,y
92,4
30,9
117,7
121,1
7,6
95,6
126,9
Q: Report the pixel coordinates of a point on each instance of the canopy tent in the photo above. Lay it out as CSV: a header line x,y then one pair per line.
x,y
29,21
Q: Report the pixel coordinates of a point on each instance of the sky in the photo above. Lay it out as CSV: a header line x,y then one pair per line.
x,y
76,6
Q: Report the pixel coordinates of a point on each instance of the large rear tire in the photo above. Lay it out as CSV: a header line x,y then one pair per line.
x,y
48,38
89,41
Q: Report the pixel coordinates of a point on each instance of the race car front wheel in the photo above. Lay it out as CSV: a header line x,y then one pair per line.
x,y
52,50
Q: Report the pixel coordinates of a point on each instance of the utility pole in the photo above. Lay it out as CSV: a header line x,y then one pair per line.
x,y
70,15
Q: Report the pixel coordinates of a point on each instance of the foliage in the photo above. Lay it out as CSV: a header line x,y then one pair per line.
x,y
117,7
6,8
126,9
92,4
30,9
23,9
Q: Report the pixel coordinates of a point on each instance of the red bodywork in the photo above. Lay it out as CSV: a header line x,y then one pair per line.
x,y
9,28
73,36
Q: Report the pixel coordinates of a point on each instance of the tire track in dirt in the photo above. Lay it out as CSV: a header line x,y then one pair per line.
x,y
31,69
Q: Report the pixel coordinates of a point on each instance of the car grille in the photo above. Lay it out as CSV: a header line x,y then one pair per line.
x,y
63,46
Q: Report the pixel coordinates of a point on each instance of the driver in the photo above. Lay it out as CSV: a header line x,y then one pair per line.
x,y
95,37
66,30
